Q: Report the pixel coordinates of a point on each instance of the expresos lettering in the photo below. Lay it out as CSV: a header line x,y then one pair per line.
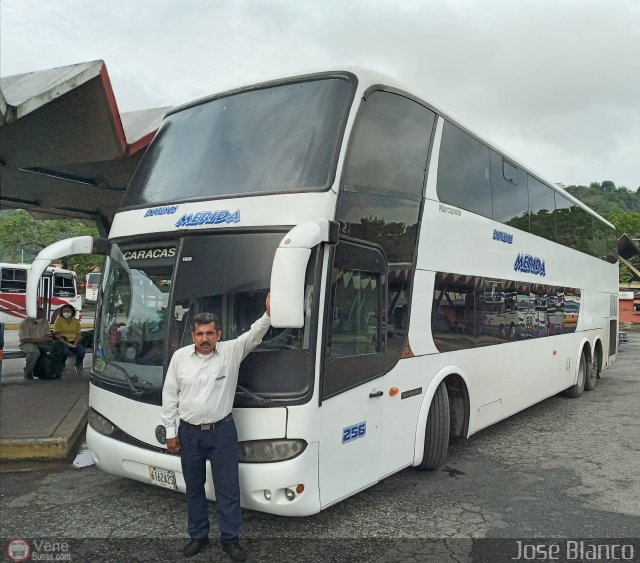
x,y
167,210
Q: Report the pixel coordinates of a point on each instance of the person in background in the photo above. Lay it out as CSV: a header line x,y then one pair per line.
x,y
33,332
197,398
67,331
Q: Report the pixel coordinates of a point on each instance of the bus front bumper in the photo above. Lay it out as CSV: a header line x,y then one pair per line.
x,y
263,486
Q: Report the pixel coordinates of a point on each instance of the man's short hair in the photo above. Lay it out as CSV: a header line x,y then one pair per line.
x,y
205,319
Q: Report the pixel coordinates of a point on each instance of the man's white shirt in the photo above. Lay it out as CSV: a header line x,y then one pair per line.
x,y
200,388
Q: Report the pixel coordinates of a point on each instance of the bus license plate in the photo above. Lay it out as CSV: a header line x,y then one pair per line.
x,y
162,477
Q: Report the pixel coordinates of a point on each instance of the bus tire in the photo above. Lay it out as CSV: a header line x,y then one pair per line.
x,y
576,390
436,437
598,362
591,376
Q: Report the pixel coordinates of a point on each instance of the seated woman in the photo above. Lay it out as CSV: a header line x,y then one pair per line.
x,y
67,330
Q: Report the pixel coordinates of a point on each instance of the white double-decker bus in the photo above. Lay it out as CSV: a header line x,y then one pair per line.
x,y
420,280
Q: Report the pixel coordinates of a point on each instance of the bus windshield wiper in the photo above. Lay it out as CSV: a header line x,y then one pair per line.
x,y
137,392
257,398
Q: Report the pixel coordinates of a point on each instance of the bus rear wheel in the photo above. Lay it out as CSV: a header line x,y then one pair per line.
x,y
436,437
591,376
576,390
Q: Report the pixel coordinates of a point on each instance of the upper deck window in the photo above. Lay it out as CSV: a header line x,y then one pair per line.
x,y
388,153
463,171
281,138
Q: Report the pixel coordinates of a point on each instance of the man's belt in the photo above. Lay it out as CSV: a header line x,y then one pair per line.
x,y
210,425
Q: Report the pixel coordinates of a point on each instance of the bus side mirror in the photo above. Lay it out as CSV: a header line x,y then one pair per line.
x,y
66,247
289,269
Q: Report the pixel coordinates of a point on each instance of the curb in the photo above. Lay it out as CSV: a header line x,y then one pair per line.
x,y
57,447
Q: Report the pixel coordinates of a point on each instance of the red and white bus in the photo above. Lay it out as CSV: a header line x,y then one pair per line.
x,y
57,287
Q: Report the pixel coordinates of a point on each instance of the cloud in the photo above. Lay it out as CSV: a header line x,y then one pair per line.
x,y
555,83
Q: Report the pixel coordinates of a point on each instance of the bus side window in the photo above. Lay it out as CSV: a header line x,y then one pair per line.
x,y
13,280
463,171
63,286
354,323
356,334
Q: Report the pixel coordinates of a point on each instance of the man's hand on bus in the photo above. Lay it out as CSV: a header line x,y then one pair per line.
x,y
173,445
268,303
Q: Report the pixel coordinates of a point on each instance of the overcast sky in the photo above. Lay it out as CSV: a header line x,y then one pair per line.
x,y
554,82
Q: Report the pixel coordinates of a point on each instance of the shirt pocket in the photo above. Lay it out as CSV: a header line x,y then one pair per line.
x,y
218,376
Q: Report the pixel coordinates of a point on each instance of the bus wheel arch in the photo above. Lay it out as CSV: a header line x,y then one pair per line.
x,y
598,356
444,415
582,373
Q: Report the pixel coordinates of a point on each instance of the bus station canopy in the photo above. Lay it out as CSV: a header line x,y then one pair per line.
x,y
65,149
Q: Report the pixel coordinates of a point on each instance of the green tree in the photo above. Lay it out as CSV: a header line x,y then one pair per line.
x,y
625,222
22,237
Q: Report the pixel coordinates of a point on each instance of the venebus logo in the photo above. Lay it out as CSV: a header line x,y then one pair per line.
x,y
18,549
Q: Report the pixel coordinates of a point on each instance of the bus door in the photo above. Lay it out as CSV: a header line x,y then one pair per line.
x,y
352,397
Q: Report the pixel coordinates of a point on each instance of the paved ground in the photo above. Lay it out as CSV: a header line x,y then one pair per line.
x,y
40,419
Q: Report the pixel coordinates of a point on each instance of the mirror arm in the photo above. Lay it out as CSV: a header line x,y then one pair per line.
x,y
289,268
66,247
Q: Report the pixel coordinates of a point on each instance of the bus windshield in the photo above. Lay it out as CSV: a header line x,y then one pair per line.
x,y
132,328
280,138
226,274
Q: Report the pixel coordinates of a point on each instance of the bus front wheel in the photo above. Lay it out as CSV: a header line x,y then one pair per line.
x,y
436,438
583,374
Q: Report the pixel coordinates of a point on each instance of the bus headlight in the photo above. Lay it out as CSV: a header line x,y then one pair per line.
x,y
99,423
265,451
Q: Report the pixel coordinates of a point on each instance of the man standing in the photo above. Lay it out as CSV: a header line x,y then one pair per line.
x,y
197,399
33,332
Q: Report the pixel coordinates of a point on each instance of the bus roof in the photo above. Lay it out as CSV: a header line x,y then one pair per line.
x,y
50,269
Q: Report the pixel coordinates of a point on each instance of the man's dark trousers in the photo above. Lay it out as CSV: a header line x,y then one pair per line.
x,y
220,447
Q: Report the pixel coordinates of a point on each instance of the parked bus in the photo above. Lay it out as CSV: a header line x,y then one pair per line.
x,y
92,282
56,287
367,212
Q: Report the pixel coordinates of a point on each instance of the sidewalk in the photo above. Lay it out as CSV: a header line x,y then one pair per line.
x,y
41,419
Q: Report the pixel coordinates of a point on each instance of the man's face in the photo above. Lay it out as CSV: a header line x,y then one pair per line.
x,y
40,314
205,337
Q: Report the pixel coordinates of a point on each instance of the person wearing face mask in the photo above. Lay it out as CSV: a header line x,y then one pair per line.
x,y
67,330
33,332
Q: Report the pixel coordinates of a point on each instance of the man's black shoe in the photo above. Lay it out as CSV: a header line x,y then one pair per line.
x,y
194,546
235,551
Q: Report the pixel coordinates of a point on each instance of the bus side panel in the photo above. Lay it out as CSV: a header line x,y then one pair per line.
x,y
457,241
600,314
